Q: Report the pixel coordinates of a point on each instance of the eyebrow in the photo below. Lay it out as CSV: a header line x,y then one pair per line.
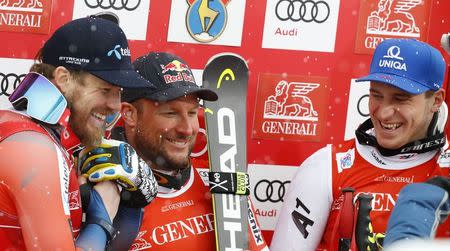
x,y
406,95
397,94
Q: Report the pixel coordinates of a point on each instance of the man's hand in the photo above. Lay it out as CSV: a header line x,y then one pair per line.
x,y
117,161
109,193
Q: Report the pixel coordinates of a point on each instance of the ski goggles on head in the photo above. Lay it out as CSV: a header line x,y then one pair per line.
x,y
40,98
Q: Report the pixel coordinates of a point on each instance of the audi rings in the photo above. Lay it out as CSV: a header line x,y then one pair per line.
x,y
9,82
302,10
273,191
113,4
362,105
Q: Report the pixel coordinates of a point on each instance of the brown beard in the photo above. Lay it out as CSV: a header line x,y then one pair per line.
x,y
159,156
86,137
77,122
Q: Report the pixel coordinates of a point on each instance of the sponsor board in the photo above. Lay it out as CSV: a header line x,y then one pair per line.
x,y
290,107
268,186
382,19
128,12
293,25
217,22
358,107
30,16
12,72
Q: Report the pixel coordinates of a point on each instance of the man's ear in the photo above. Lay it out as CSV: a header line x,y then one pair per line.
x,y
62,79
439,97
129,114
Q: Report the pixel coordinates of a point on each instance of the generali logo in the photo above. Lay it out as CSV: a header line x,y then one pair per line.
x,y
382,202
179,230
31,16
381,19
290,108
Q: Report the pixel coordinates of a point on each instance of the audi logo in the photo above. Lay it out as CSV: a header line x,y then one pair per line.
x,y
273,191
9,82
204,149
362,105
302,10
113,4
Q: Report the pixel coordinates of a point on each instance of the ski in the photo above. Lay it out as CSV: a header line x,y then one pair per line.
x,y
227,75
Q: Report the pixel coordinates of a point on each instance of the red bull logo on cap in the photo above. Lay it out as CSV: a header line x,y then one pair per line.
x,y
176,71
175,65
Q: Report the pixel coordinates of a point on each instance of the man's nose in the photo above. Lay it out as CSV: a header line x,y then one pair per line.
x,y
185,125
113,102
387,110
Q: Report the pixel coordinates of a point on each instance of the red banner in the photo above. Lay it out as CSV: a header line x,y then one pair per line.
x,y
25,16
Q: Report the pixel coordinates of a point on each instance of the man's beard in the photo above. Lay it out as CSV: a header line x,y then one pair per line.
x,y
87,137
78,123
158,156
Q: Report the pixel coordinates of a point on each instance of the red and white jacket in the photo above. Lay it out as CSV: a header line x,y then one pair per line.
x,y
32,200
183,219
315,191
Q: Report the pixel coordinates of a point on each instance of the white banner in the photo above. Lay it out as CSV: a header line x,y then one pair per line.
x,y
358,107
268,186
128,12
12,71
301,25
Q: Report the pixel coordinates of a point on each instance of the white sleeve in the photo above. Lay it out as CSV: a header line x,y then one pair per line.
x,y
306,206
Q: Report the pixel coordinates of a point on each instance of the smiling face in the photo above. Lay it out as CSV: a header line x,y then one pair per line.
x,y
165,132
399,117
90,101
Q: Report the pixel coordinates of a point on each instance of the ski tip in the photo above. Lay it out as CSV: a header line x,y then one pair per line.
x,y
207,110
227,54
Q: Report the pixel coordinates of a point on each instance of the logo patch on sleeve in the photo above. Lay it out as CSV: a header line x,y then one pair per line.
x,y
345,160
